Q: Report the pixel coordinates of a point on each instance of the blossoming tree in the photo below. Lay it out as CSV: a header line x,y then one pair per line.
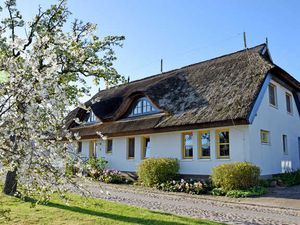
x,y
42,73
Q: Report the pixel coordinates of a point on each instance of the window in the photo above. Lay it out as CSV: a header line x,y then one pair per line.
x,y
130,152
284,144
79,147
142,106
223,146
264,137
146,148
109,145
288,98
92,117
204,144
92,152
272,95
187,145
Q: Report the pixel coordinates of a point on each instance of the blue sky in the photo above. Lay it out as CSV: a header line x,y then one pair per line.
x,y
184,32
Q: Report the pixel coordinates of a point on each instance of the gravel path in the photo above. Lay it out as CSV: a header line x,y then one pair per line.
x,y
221,209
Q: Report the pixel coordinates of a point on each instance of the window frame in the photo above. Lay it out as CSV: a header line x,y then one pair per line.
x,y
262,141
275,95
289,96
79,147
128,148
285,144
183,145
144,138
92,117
200,150
107,151
92,148
142,104
218,144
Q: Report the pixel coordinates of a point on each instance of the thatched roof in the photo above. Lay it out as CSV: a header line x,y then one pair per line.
x,y
216,92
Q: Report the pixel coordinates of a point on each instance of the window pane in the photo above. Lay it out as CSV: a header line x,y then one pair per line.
x,y
205,150
131,148
288,103
205,139
264,136
272,95
224,137
188,151
109,145
284,142
79,147
224,150
147,148
188,145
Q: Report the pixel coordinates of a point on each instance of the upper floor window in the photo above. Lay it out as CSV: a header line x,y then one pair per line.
x,y
92,117
142,106
288,98
272,95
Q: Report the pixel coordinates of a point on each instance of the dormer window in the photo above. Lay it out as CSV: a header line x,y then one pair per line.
x,y
141,107
92,117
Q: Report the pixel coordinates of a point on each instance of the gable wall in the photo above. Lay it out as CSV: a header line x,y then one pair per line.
x,y
278,121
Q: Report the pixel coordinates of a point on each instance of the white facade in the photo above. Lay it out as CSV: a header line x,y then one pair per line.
x,y
245,143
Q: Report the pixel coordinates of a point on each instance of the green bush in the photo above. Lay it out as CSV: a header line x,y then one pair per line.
x,y
94,167
251,192
155,171
71,168
218,192
255,191
236,176
288,178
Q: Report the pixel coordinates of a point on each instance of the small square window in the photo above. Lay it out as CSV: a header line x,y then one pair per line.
x,y
272,95
264,137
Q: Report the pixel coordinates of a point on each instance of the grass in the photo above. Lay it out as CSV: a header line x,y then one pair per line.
x,y
81,210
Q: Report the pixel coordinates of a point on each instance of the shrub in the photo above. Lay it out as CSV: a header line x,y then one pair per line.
x,y
94,167
218,192
255,191
190,187
114,177
71,168
288,178
236,176
154,171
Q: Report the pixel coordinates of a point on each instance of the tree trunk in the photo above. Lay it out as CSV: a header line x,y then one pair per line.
x,y
10,186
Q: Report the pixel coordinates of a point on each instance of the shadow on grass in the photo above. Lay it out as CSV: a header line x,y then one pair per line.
x,y
121,218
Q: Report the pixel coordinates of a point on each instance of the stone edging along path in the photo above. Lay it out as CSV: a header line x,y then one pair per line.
x,y
276,208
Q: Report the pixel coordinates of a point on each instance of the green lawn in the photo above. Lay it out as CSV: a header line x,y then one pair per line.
x,y
82,210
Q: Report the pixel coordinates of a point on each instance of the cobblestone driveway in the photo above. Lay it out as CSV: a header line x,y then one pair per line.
x,y
280,207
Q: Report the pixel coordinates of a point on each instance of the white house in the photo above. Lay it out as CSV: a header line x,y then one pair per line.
x,y
237,107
